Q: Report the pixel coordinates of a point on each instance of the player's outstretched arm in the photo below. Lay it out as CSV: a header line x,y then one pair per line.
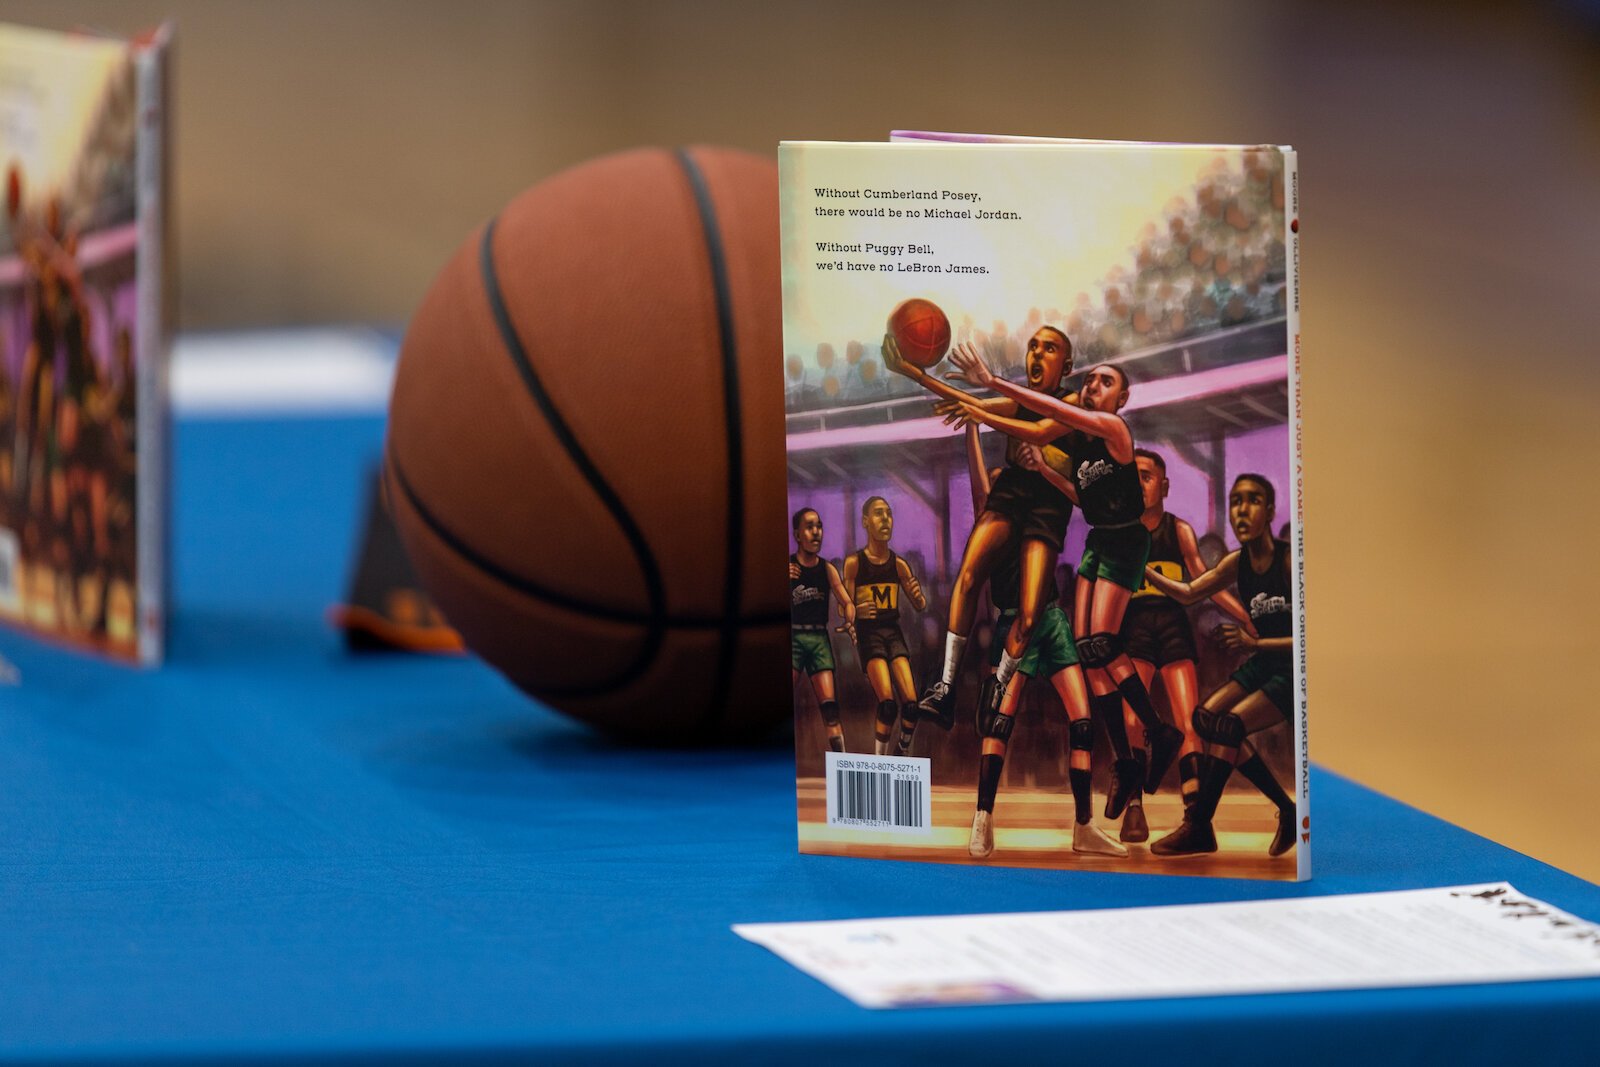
x,y
1203,585
954,412
1189,545
971,368
909,583
894,361
1033,433
977,471
1239,639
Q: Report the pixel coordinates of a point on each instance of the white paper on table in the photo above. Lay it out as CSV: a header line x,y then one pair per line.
x,y
1447,936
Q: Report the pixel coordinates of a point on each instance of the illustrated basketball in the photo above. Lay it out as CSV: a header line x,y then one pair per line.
x,y
585,455
921,330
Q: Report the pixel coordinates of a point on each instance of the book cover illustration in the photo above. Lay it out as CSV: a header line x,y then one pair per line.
x,y
82,340
1046,597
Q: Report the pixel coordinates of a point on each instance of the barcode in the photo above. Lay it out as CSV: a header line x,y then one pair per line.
x,y
877,797
879,792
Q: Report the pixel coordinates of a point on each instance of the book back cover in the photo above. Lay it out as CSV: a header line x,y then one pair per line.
x,y
1046,597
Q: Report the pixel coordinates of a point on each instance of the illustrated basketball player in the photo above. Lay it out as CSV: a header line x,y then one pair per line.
x,y
56,507
1106,482
874,577
811,579
1158,638
1260,693
1021,505
1051,654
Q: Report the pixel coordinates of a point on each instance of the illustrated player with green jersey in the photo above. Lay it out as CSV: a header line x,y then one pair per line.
x,y
1261,692
811,579
1050,654
1106,483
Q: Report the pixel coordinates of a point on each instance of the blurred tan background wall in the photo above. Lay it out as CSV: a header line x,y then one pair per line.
x,y
331,154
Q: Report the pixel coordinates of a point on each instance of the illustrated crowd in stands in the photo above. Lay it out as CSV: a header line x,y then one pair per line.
x,y
1213,262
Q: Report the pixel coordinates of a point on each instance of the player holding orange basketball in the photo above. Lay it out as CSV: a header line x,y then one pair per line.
x,y
811,578
874,577
1021,505
1102,472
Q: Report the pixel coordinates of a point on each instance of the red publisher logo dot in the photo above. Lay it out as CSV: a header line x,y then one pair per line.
x,y
1294,226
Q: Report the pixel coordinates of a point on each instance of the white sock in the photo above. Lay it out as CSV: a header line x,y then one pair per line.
x,y
1008,667
954,645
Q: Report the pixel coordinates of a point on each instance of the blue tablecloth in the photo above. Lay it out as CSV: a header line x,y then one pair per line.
x,y
272,849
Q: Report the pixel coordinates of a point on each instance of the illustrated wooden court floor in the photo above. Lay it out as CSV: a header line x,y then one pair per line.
x,y
1033,828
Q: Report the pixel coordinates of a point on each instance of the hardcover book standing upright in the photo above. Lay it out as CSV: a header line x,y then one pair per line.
x,y
84,313
1042,419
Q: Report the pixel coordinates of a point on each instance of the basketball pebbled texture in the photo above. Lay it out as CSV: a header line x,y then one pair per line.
x,y
585,454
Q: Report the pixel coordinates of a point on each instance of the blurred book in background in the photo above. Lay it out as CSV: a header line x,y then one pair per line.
x,y
85,312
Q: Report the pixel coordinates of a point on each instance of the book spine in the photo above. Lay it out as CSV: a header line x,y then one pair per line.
x,y
791,168
1297,498
154,287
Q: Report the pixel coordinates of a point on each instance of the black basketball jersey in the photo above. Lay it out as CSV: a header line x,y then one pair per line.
x,y
1053,455
878,584
1013,446
1166,557
1268,597
1108,491
808,594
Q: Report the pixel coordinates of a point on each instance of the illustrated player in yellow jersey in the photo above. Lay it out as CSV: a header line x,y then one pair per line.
x,y
1158,637
874,578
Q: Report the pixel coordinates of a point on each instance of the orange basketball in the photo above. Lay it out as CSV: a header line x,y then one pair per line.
x,y
921,330
585,445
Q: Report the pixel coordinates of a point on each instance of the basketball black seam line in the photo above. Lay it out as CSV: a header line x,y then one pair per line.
x,y
530,588
655,590
733,582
